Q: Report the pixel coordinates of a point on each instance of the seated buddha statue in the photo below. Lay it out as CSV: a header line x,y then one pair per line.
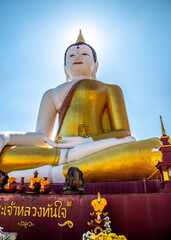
x,y
93,132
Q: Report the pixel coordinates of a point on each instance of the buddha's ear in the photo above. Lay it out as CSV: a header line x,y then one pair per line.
x,y
96,65
95,70
67,77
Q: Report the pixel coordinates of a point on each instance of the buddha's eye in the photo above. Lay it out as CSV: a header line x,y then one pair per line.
x,y
72,55
85,54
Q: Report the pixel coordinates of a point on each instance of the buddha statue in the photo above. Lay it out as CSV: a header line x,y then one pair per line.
x,y
93,132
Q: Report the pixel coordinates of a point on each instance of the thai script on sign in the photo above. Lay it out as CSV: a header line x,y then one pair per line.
x,y
54,210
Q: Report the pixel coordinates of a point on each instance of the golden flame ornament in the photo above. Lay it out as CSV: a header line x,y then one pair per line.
x,y
80,37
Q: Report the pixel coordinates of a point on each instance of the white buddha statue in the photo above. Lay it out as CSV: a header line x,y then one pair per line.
x,y
93,132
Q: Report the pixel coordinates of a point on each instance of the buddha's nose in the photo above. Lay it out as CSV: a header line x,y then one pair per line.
x,y
78,57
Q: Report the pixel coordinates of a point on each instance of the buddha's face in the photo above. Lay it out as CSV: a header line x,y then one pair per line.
x,y
80,63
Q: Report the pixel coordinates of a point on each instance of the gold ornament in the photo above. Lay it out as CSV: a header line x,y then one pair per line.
x,y
99,204
80,38
100,225
162,127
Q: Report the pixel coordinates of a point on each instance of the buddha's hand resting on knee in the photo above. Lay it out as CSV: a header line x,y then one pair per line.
x,y
3,141
68,142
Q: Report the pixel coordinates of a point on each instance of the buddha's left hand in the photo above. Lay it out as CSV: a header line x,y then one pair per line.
x,y
68,142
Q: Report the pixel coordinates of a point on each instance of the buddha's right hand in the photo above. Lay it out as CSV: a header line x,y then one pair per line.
x,y
3,141
68,142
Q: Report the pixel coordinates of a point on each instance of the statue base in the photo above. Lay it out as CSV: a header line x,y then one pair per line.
x,y
134,208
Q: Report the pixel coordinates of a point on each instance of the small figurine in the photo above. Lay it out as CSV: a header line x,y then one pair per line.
x,y
21,188
74,182
35,183
44,185
10,187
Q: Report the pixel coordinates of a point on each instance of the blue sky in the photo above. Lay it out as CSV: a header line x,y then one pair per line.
x,y
132,40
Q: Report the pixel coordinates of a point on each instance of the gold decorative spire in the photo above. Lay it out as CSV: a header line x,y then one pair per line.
x,y
162,126
80,37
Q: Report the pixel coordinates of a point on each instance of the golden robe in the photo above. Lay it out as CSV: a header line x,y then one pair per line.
x,y
97,110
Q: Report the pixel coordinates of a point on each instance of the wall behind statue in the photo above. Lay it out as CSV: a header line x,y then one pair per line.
x,y
132,40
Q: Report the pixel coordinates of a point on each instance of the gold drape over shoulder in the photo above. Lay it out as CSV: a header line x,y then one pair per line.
x,y
65,106
100,108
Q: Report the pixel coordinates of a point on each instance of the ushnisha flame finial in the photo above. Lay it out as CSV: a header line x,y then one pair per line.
x,y
162,126
80,37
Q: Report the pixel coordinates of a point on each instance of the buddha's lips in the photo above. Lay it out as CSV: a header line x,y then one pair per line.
x,y
78,63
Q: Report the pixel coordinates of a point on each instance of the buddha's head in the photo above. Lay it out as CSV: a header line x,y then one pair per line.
x,y
80,61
